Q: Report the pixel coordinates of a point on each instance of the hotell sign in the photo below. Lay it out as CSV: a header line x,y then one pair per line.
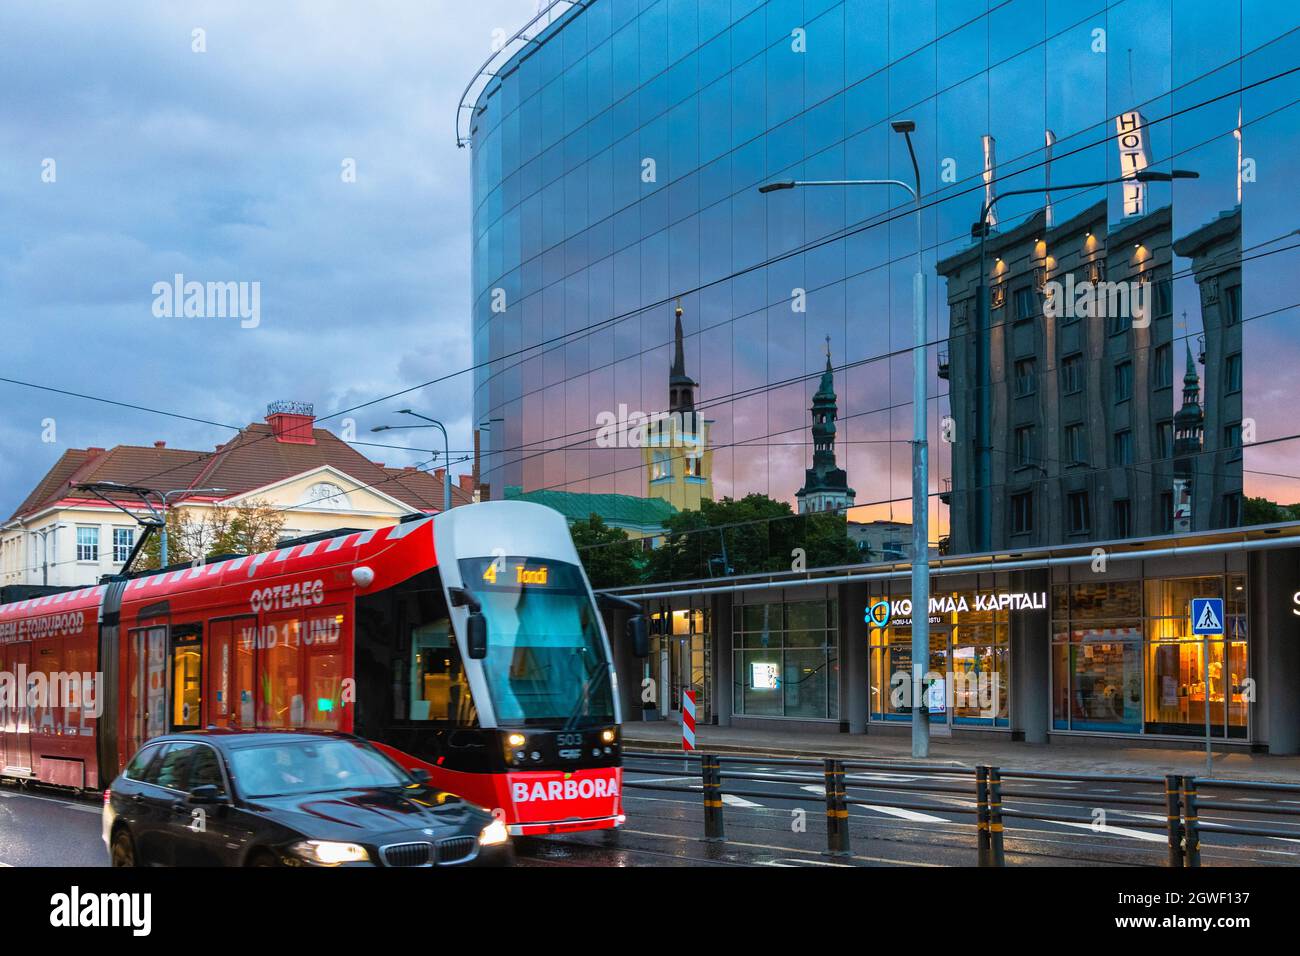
x,y
880,613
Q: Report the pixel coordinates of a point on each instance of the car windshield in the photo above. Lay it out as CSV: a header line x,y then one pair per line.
x,y
546,658
311,766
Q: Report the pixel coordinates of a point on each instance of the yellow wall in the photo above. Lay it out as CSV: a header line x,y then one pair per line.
x,y
677,490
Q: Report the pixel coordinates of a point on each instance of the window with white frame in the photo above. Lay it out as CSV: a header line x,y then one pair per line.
x,y
123,542
660,466
87,544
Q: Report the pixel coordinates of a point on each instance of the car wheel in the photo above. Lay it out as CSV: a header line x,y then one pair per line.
x,y
123,849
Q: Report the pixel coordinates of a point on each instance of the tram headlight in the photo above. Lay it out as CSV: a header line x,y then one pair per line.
x,y
493,834
608,735
329,853
516,740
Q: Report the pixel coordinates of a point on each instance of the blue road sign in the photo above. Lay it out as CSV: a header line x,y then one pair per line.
x,y
1207,615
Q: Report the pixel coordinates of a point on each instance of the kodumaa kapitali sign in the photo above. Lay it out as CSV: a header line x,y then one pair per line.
x,y
880,613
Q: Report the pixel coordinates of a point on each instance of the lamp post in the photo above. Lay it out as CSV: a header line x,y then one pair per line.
x,y
983,425
446,446
45,549
920,447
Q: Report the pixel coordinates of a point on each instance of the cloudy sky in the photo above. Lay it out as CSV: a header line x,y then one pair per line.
x,y
127,157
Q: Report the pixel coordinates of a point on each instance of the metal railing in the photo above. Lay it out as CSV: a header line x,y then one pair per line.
x,y
1179,802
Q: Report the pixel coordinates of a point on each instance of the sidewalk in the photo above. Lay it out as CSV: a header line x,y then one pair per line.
x,y
1074,756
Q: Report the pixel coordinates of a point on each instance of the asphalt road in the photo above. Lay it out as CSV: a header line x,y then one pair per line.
x,y
40,828
664,827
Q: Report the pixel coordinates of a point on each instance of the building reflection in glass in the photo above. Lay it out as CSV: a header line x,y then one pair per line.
x,y
614,171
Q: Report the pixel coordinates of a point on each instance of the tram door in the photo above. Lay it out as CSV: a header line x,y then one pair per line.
x,y
146,691
186,678
16,714
227,668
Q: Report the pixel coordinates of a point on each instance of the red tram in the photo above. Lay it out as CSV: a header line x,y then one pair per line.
x,y
467,644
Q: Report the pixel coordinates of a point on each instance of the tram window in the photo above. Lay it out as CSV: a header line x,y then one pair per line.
x,y
439,689
219,654
324,683
242,713
324,689
282,699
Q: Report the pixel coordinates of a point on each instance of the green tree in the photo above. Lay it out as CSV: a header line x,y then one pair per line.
x,y
1263,511
192,533
610,558
827,541
250,527
755,533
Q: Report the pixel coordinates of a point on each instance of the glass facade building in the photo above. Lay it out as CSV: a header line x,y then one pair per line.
x,y
615,162
1128,380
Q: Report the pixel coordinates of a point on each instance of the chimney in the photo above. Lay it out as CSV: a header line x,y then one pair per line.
x,y
440,473
466,483
291,422
160,444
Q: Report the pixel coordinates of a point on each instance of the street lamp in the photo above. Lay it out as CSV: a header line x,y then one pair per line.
x,y
163,497
983,425
45,549
920,447
446,446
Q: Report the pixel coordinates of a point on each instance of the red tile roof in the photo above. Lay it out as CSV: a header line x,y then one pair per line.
x,y
423,486
253,459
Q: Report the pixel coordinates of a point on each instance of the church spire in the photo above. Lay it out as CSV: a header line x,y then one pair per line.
x,y
681,387
825,484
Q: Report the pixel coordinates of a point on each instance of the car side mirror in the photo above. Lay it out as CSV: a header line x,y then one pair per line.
x,y
419,775
206,794
476,635
638,633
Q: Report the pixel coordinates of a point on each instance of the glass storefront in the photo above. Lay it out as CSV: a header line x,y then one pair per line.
x,y
786,660
969,653
1124,659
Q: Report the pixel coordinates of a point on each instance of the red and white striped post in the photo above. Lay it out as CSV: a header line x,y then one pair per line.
x,y
688,720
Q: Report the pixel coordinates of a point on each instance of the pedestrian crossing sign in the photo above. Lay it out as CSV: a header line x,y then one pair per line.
x,y
1207,615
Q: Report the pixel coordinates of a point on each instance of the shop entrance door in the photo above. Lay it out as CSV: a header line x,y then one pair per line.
x,y
939,691
687,671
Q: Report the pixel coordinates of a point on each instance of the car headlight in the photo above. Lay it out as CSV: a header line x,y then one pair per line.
x,y
329,853
494,833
